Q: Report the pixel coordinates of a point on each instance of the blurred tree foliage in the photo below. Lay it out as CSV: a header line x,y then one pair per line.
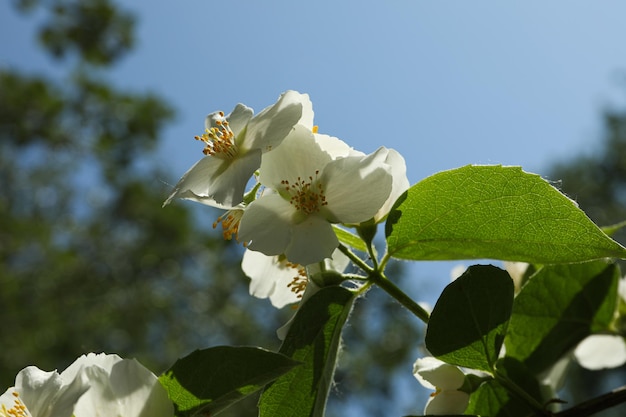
x,y
89,261
597,182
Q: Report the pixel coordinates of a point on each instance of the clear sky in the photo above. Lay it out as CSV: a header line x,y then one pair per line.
x,y
446,83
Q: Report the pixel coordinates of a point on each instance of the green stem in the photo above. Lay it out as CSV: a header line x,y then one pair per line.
x,y
391,289
595,405
356,260
521,394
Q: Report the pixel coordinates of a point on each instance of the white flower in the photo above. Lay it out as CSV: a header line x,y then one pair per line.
x,y
234,145
313,191
446,380
399,184
601,351
43,394
281,281
93,386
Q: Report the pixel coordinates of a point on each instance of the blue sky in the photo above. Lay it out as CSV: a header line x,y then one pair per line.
x,y
446,83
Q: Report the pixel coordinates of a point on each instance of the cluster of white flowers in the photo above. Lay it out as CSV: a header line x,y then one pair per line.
x,y
94,385
302,182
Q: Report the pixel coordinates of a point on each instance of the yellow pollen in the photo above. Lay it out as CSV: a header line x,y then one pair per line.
x,y
299,282
17,410
230,223
306,196
219,140
315,129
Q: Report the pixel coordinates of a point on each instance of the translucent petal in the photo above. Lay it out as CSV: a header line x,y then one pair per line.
x,y
601,351
433,373
269,277
356,188
400,182
216,182
447,403
299,156
122,387
335,147
267,129
313,240
237,119
266,224
12,403
48,393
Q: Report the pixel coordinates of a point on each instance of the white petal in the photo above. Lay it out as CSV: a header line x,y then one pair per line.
x,y
355,188
269,277
338,262
267,129
217,182
266,224
299,156
38,388
312,240
335,147
601,351
12,402
48,393
237,119
122,387
433,373
447,403
400,182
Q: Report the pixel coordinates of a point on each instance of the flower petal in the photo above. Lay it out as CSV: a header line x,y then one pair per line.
x,y
266,224
601,351
447,403
121,387
48,393
267,129
433,373
270,277
299,156
237,119
335,147
312,240
355,188
11,403
400,182
217,182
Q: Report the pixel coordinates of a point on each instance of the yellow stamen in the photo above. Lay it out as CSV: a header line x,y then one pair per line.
x,y
306,196
315,129
299,282
17,410
219,139
230,223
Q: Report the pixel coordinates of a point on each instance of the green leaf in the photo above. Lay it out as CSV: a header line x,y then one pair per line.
x,y
493,212
209,380
558,307
495,398
313,339
350,239
469,321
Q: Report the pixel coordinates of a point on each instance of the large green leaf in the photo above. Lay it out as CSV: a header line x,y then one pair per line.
x,y
209,380
469,321
558,307
493,212
495,397
313,339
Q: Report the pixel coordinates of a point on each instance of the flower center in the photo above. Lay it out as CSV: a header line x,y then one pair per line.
x,y
299,282
18,409
307,196
219,140
230,223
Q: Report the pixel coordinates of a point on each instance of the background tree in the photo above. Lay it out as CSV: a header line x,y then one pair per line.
x,y
597,182
89,261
